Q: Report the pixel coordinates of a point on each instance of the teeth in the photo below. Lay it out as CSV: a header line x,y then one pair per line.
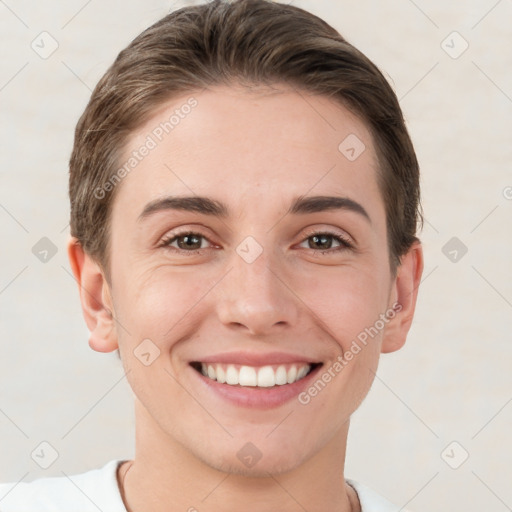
x,y
231,375
263,377
301,373
221,375
247,376
281,376
266,377
292,375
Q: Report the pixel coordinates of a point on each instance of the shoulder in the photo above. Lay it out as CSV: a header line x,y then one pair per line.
x,y
88,492
371,501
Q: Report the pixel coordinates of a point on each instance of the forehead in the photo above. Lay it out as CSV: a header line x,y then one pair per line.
x,y
239,145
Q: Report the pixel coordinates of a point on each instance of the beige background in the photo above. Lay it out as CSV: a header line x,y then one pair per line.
x,y
452,380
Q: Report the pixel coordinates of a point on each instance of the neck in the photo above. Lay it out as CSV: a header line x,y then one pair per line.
x,y
165,472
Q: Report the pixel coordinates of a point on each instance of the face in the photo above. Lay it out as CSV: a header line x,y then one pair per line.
x,y
256,275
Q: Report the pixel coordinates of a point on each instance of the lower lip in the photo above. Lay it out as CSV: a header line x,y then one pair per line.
x,y
259,398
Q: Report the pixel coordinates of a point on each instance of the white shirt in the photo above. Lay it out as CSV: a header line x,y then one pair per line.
x,y
98,490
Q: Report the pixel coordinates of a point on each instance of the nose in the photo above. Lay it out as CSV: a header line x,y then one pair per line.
x,y
256,298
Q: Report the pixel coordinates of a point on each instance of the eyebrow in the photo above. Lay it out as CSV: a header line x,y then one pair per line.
x,y
209,206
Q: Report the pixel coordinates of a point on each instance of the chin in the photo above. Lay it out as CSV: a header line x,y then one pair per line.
x,y
263,468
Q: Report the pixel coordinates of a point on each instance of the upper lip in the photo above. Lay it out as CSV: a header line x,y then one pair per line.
x,y
256,359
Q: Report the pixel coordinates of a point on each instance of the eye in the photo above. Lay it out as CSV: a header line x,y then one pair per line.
x,y
192,243
187,242
323,242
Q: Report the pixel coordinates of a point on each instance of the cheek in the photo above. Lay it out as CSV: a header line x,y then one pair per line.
x,y
156,310
156,306
345,300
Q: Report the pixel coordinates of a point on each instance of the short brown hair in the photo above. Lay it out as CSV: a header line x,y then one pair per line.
x,y
249,42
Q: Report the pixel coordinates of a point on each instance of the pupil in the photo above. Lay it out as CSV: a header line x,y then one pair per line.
x,y
189,241
324,240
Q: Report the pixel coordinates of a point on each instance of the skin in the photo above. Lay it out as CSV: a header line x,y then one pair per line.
x,y
256,151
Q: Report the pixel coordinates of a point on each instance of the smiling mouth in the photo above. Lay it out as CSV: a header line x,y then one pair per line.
x,y
254,376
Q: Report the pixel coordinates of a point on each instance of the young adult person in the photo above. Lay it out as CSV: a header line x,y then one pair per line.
x,y
244,205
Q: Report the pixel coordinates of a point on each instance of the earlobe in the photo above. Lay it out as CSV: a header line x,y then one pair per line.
x,y
95,297
404,295
103,337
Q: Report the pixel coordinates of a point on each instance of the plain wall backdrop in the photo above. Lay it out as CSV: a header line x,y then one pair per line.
x,y
432,433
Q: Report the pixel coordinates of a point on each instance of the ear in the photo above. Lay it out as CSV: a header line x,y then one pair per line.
x,y
95,298
403,298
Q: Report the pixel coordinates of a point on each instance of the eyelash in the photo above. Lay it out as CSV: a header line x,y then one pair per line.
x,y
345,244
